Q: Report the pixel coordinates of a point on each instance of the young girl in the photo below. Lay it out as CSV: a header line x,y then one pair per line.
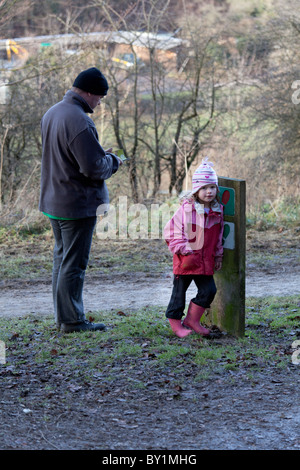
x,y
194,236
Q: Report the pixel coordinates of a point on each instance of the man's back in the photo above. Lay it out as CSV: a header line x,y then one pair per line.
x,y
74,165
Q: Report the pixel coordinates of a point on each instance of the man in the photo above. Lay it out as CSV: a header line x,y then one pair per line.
x,y
73,174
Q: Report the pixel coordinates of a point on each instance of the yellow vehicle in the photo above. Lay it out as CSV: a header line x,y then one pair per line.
x,y
17,49
127,61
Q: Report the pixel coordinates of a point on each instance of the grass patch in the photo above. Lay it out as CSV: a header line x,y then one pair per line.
x,y
139,347
27,254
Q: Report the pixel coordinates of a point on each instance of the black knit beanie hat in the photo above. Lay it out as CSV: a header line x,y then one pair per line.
x,y
92,81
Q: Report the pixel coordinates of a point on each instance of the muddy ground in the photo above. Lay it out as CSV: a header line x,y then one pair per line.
x,y
226,411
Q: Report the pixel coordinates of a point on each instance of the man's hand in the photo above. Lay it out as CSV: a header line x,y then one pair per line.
x,y
119,159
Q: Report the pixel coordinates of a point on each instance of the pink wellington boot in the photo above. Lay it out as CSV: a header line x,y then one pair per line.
x,y
192,319
178,329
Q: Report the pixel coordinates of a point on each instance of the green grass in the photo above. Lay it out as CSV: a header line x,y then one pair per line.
x,y
28,255
140,345
284,212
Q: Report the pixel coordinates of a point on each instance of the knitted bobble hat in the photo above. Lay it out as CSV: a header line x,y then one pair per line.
x,y
92,81
204,175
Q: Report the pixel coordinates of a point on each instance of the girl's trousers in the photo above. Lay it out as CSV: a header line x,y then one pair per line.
x,y
73,239
205,295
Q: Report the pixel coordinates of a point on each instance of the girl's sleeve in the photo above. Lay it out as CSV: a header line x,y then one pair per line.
x,y
181,234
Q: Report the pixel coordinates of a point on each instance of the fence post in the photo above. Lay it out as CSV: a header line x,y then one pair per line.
x,y
227,311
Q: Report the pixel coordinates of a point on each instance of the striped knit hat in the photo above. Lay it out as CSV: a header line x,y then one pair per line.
x,y
204,175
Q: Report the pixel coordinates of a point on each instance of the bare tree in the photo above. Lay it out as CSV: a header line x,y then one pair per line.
x,y
11,10
31,90
273,110
165,105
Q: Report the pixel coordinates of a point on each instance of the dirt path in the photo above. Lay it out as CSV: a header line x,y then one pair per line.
x,y
136,292
272,267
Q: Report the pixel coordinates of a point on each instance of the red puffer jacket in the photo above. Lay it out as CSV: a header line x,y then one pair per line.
x,y
195,238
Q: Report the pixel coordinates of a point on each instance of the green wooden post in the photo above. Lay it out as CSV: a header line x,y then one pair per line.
x,y
227,311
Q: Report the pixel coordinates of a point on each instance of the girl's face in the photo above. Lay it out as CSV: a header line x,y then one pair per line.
x,y
207,194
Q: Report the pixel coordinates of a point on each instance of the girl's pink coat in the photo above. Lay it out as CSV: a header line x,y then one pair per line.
x,y
195,239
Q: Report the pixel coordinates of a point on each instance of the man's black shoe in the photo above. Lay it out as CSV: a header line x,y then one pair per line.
x,y
82,326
